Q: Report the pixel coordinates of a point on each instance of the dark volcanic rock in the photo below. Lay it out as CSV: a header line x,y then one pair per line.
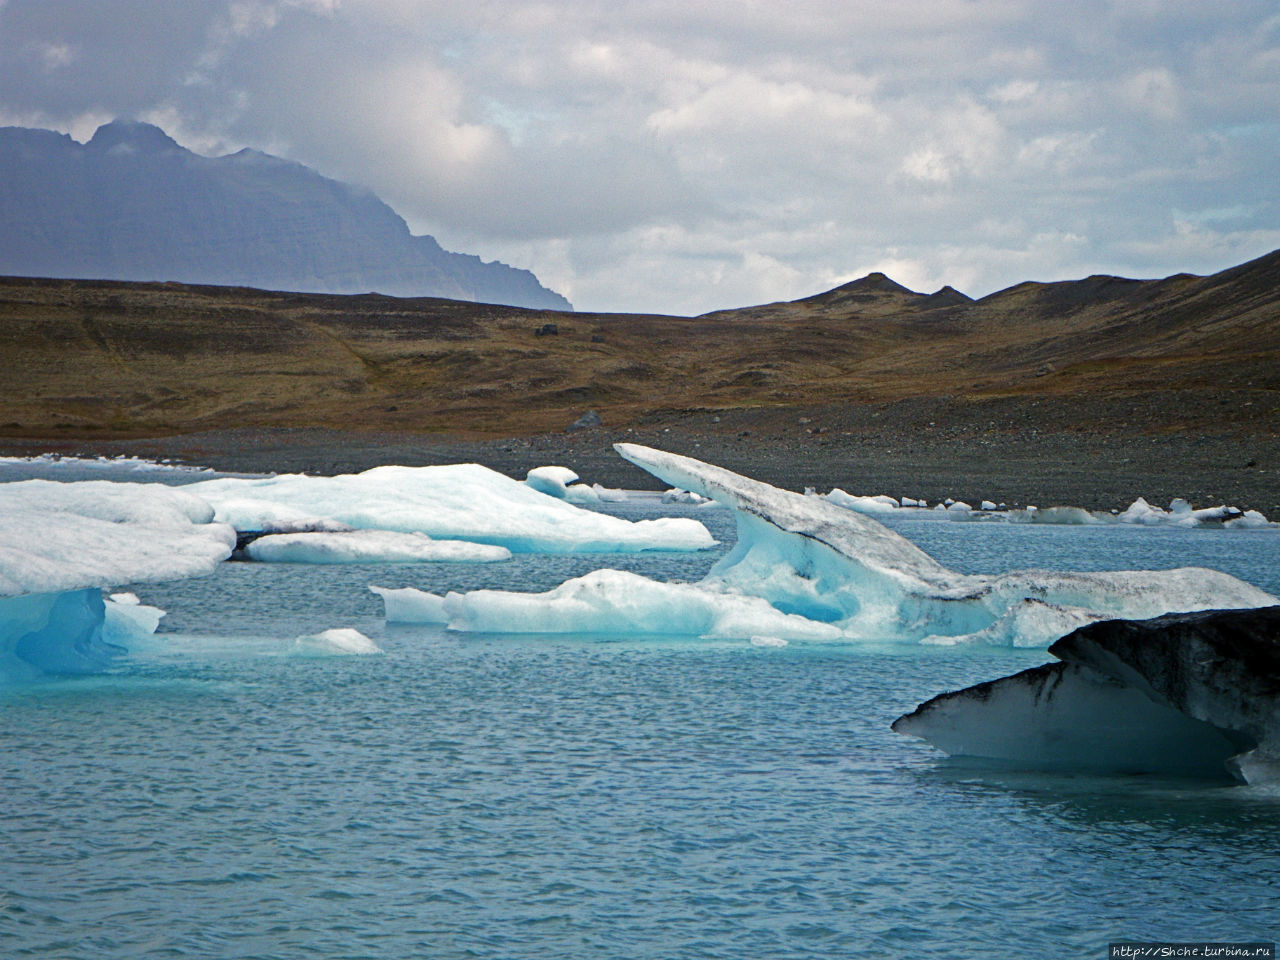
x,y
586,421
132,204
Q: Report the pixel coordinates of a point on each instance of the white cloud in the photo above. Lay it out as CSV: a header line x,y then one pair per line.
x,y
661,155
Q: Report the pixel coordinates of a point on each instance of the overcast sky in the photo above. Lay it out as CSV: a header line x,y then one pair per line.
x,y
685,155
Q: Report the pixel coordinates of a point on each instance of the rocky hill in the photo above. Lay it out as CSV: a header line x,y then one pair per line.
x,y
1153,357
131,204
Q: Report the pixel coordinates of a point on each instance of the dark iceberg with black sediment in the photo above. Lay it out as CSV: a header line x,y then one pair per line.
x,y
1185,694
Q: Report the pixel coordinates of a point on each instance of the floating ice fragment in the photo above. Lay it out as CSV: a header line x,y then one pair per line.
x,y
339,642
370,546
676,495
1249,520
551,480
459,501
612,602
128,621
877,504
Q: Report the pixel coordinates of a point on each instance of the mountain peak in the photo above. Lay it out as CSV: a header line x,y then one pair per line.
x,y
132,136
874,283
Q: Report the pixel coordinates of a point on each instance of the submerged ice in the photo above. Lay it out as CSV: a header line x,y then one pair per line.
x,y
805,568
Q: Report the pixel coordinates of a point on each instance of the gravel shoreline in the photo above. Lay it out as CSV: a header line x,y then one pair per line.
x,y
1100,471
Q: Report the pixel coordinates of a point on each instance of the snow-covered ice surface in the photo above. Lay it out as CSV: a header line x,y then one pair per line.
x,y
370,546
68,536
834,572
62,543
1195,693
460,501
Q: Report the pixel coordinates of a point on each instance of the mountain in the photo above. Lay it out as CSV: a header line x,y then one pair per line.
x,y
132,204
874,295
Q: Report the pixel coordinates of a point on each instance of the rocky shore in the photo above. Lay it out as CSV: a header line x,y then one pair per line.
x,y
902,450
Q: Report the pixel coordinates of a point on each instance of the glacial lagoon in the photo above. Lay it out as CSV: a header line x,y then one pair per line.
x,y
226,792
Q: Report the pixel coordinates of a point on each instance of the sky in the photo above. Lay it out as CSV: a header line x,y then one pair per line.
x,y
680,156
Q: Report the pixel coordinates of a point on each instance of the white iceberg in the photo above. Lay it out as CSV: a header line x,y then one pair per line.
x,y
1181,513
61,544
370,546
343,641
562,483
834,573
609,602
458,502
877,504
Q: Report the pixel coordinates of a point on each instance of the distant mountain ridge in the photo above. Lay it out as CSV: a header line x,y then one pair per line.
x,y
133,204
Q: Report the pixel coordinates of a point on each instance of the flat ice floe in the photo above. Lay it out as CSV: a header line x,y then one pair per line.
x,y
832,573
61,544
370,546
458,502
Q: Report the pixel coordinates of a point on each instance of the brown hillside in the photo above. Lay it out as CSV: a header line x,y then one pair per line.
x,y
87,358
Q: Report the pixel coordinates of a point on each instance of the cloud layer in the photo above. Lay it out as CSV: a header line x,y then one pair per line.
x,y
675,157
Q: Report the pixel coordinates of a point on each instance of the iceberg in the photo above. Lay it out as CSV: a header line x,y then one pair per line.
x,y
609,602
562,483
1188,694
458,502
876,504
834,573
62,543
370,546
343,641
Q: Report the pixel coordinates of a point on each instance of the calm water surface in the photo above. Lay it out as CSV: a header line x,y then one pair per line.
x,y
543,797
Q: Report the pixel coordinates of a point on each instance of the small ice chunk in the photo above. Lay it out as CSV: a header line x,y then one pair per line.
x,y
343,641
1249,520
609,495
370,546
876,504
127,620
986,505
1143,513
676,495
553,481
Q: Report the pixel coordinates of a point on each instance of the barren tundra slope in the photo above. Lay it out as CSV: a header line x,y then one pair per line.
x,y
108,359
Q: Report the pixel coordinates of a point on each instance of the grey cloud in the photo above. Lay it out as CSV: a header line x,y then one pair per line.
x,y
674,156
